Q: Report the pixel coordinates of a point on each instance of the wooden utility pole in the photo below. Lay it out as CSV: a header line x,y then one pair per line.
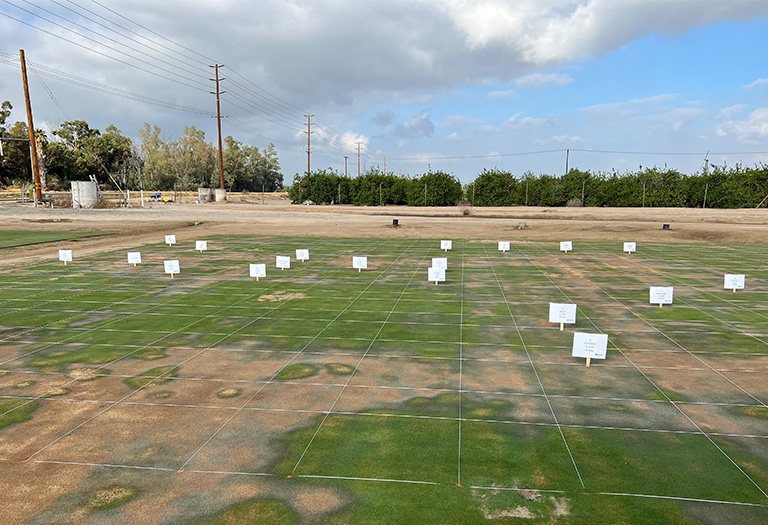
x,y
308,132
567,158
32,141
345,166
358,159
218,120
385,164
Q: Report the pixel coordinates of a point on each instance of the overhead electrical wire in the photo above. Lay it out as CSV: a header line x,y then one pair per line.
x,y
260,103
62,76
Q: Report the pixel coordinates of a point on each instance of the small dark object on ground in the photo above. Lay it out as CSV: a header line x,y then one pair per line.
x,y
665,226
394,223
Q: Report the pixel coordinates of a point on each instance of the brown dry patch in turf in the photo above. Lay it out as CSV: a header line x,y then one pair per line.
x,y
83,374
318,501
51,420
358,399
508,377
250,442
397,371
27,488
698,385
673,359
281,295
728,420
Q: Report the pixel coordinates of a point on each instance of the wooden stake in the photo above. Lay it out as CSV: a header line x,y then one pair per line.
x,y
588,361
257,278
359,270
171,276
561,327
134,265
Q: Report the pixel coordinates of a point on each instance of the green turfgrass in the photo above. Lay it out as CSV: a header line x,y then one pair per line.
x,y
11,238
403,413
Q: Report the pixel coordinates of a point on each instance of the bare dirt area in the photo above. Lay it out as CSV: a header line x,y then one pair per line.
x,y
133,227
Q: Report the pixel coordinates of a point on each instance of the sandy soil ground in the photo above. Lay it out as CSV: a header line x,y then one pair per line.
x,y
250,215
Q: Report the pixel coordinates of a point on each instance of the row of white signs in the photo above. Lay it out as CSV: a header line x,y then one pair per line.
x,y
436,273
504,246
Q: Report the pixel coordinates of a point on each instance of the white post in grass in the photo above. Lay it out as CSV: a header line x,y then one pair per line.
x,y
562,313
65,256
662,295
258,270
589,346
134,258
171,267
734,281
436,274
283,262
360,263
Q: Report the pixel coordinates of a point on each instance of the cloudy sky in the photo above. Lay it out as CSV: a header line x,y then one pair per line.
x,y
455,85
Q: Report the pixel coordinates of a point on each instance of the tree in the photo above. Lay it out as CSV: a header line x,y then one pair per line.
x,y
441,189
493,188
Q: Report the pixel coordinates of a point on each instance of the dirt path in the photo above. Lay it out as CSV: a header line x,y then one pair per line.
x,y
132,227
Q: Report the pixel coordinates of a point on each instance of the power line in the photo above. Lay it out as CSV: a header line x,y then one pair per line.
x,y
95,86
102,54
208,59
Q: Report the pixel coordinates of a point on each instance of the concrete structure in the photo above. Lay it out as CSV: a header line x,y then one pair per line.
x,y
85,193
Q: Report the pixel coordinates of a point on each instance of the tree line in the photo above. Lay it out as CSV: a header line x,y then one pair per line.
x,y
75,151
717,187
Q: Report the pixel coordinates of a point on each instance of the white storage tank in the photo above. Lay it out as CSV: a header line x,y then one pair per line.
x,y
85,193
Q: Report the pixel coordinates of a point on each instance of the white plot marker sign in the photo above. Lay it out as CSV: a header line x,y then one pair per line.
x,y
630,247
361,263
440,262
171,267
662,295
170,240
590,346
201,246
566,246
436,274
446,245
134,258
503,246
283,262
562,313
302,255
65,256
258,270
734,281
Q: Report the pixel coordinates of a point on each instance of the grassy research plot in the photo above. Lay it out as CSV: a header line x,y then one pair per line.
x,y
324,393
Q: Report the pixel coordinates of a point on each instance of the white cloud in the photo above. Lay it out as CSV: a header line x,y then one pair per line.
x,y
539,80
729,112
551,31
750,130
419,126
757,83
561,139
502,94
